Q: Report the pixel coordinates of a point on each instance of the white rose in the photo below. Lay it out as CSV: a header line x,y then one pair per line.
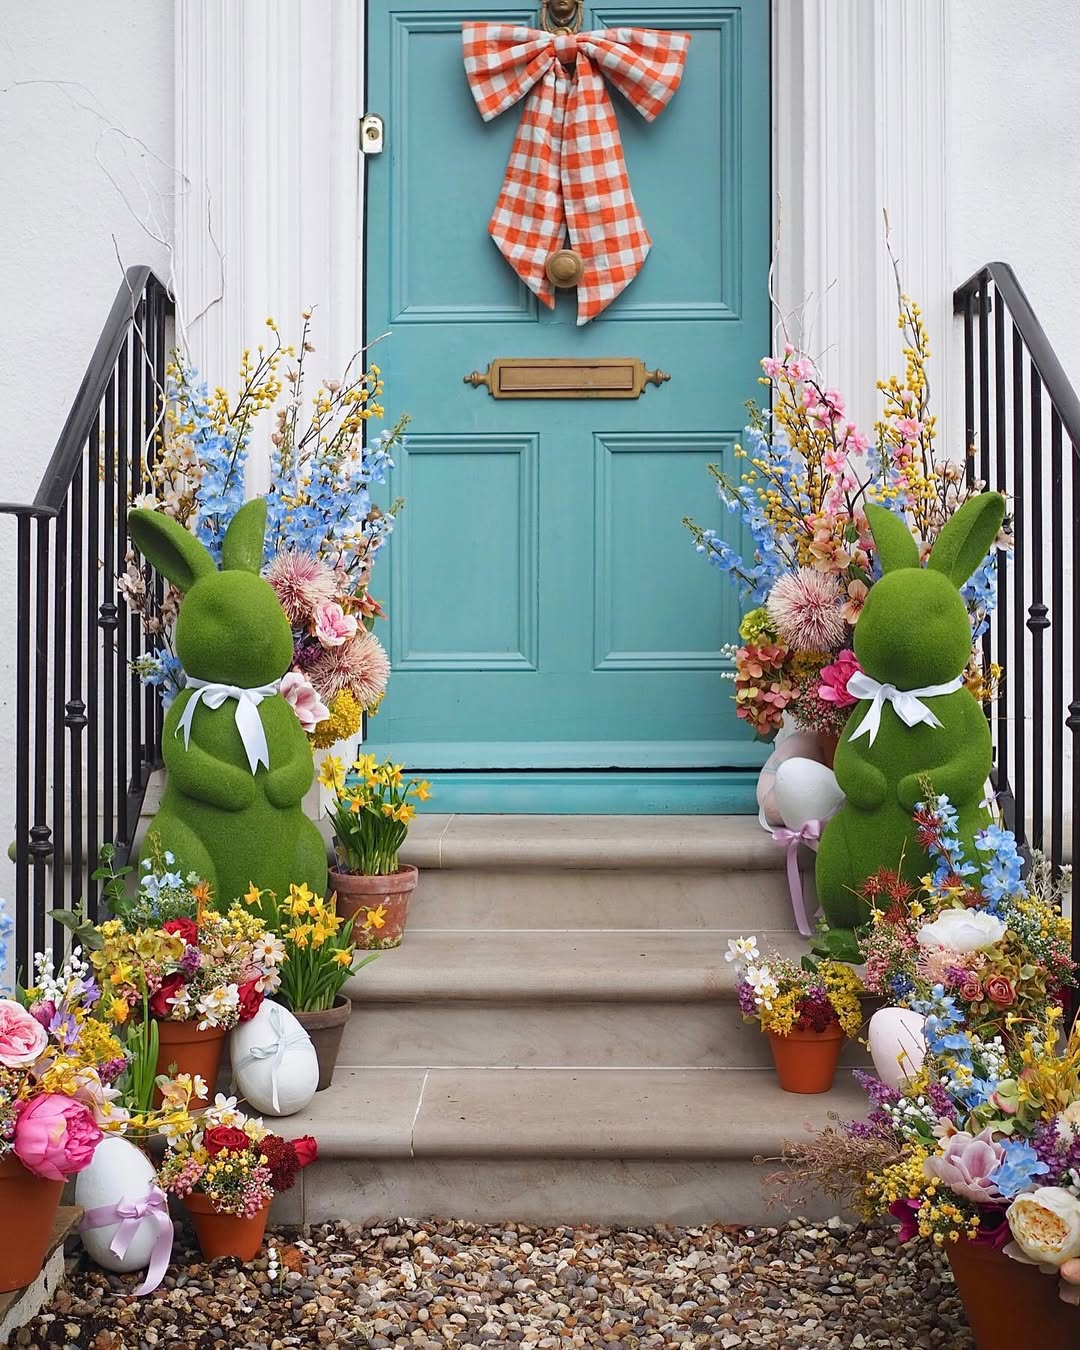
x,y
962,930
1069,1120
1045,1224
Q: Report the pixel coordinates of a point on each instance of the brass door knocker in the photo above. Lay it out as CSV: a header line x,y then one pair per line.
x,y
561,16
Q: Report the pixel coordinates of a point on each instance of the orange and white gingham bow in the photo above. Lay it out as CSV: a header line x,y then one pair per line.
x,y
566,171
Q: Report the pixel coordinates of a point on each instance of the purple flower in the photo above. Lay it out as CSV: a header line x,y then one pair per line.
x,y
746,998
879,1093
191,960
44,1013
906,1211
111,1070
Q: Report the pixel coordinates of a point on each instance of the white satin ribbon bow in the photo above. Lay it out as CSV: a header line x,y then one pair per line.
x,y
275,1051
248,722
905,702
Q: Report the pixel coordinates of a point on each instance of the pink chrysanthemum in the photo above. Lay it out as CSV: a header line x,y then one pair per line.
x,y
360,665
302,583
805,606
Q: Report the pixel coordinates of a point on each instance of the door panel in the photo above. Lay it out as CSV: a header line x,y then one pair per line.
x,y
547,609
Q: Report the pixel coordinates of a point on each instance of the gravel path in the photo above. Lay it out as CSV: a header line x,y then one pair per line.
x,y
469,1285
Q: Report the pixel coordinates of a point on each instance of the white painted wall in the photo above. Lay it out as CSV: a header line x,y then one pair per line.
x,y
86,152
1014,152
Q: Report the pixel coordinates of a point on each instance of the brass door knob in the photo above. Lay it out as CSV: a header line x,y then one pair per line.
x,y
565,268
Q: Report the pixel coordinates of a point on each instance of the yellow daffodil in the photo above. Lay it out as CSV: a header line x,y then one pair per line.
x,y
118,1010
422,790
343,957
252,895
332,773
376,918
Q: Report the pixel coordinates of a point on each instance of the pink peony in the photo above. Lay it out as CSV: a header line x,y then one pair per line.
x,y
22,1038
834,680
805,607
55,1136
300,694
966,1166
302,583
333,626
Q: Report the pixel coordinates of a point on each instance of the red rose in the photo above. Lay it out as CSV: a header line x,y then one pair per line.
x,y
307,1150
971,990
225,1136
170,986
188,929
250,1000
1000,991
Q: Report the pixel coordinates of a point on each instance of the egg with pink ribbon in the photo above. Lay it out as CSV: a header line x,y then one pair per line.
x,y
125,1224
275,1066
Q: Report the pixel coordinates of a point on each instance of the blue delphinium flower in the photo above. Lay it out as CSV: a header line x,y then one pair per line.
x,y
1002,871
980,593
163,672
900,986
6,926
1019,1169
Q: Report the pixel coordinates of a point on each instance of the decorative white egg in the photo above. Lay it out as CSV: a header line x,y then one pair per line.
x,y
896,1044
274,1062
806,790
118,1171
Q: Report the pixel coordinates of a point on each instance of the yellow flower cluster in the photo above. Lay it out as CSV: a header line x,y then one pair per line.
x,y
344,720
312,922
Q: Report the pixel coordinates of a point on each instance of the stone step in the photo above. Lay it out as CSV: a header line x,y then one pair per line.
x,y
555,1145
512,998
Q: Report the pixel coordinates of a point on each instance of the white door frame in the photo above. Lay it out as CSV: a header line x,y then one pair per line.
x,y
269,217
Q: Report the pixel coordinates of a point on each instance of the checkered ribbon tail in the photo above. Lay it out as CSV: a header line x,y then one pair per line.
x,y
566,174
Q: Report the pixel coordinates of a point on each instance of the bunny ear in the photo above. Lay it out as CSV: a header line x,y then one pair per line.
x,y
965,540
895,543
169,548
242,547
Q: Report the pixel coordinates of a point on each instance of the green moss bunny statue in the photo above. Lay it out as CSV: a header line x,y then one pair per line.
x,y
237,760
915,718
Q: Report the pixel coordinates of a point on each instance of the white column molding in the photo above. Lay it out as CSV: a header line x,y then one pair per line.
x,y
859,110
269,220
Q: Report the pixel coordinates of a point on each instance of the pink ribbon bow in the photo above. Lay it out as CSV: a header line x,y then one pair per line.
x,y
130,1213
810,834
566,171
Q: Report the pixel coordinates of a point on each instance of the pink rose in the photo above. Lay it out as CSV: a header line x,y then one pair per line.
x,y
55,1136
1000,991
333,627
834,680
971,990
22,1038
299,693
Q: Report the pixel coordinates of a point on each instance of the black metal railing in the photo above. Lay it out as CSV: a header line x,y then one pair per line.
x,y
1023,421
87,732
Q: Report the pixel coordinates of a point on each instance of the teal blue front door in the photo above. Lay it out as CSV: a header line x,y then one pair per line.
x,y
554,637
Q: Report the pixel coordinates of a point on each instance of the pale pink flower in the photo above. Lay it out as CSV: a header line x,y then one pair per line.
x,y
23,1039
332,625
834,462
302,583
805,607
360,665
802,368
909,427
966,1166
857,591
300,694
771,366
854,442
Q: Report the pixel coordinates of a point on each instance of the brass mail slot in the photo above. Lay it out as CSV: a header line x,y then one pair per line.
x,y
562,377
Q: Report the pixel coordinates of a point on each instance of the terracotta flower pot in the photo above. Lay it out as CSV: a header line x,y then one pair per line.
x,y
225,1234
191,1050
28,1206
806,1060
325,1029
367,900
1009,1304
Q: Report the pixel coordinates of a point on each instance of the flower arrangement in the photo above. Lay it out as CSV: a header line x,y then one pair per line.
x,y
801,498
783,997
233,1160
169,955
371,812
319,953
59,1063
980,1136
996,945
323,534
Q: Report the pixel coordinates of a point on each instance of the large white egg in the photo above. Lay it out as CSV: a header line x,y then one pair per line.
x,y
117,1171
896,1044
274,1049
806,790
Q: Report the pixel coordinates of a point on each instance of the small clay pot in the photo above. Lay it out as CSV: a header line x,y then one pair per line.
x,y
225,1234
28,1206
192,1051
360,897
325,1030
1009,1304
806,1060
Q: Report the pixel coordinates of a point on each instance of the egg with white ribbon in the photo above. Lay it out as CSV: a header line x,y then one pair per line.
x,y
275,1066
897,1046
126,1224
